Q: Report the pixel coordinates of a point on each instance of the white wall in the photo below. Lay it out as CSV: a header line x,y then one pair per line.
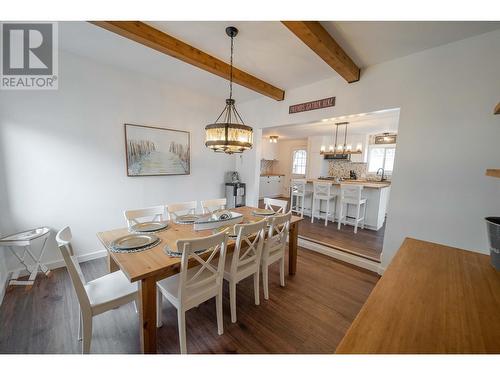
x,y
284,165
447,136
63,156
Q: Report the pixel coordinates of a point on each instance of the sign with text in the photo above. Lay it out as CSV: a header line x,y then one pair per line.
x,y
310,106
29,57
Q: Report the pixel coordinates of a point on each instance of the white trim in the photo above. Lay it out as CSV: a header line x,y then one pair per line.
x,y
341,255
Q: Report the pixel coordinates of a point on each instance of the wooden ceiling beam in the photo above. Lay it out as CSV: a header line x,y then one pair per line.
x,y
314,35
146,35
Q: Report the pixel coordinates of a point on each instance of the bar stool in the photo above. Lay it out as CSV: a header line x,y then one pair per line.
x,y
298,190
322,191
351,194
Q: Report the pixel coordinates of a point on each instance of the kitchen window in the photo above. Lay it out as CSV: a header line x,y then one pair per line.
x,y
381,157
299,161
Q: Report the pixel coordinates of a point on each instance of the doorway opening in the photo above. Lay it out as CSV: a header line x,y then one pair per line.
x,y
361,157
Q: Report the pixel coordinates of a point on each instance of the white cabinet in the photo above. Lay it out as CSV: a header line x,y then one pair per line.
x,y
270,186
269,150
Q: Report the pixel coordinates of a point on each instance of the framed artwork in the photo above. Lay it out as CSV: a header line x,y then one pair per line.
x,y
152,151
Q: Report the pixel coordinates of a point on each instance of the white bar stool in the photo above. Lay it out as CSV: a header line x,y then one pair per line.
x,y
351,194
322,191
298,191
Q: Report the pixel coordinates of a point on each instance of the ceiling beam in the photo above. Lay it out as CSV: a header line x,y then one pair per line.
x,y
149,36
321,42
497,109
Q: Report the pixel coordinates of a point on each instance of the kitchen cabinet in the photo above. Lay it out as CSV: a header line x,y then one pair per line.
x,y
271,186
269,150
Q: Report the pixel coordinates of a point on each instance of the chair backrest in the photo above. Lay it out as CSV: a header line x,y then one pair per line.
x,y
280,204
211,205
211,272
352,191
322,188
177,209
248,250
298,186
63,239
156,213
278,233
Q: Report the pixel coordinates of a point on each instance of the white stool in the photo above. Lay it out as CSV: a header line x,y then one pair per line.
x,y
322,191
351,194
298,191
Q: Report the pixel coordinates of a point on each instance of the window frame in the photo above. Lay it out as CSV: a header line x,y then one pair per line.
x,y
294,151
385,148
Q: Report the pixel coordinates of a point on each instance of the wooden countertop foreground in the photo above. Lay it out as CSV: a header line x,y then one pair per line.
x,y
365,183
431,299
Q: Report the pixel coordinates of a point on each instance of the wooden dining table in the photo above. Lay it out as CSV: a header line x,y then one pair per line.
x,y
149,266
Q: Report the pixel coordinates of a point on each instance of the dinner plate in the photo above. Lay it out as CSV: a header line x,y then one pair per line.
x,y
149,226
187,219
178,254
263,212
134,241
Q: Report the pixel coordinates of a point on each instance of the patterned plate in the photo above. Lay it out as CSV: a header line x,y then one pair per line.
x,y
134,241
263,212
178,254
186,219
150,226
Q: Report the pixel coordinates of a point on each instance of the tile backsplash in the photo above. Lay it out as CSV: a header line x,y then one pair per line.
x,y
341,168
266,166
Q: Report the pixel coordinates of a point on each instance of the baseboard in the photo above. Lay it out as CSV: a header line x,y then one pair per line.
x,y
341,255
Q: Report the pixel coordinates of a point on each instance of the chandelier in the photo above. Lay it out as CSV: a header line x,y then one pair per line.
x,y
339,148
229,135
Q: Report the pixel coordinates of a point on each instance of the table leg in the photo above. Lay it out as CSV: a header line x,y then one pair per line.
x,y
112,266
293,236
147,311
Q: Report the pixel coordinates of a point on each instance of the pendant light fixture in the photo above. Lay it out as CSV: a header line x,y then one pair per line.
x,y
229,135
339,148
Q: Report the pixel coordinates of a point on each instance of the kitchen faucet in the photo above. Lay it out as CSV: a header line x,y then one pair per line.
x,y
381,178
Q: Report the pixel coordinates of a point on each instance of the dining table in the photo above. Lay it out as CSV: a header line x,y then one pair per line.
x,y
151,265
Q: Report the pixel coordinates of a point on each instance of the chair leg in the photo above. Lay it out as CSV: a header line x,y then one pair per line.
x,y
159,303
135,307
312,211
218,309
181,319
87,333
282,271
357,219
256,290
340,215
265,281
327,211
80,322
232,300
302,207
364,217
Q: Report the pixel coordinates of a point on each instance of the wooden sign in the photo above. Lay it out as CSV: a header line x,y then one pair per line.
x,y
310,106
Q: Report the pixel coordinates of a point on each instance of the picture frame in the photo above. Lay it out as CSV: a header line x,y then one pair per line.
x,y
155,151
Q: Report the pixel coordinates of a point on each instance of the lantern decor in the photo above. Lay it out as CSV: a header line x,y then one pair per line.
x,y
229,135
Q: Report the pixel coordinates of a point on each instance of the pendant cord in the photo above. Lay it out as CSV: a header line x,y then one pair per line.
x,y
231,71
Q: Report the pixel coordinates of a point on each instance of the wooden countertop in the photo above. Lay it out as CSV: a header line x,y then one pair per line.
x,y
271,174
365,183
431,299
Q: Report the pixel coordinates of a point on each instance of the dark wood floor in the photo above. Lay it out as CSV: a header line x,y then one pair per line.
x,y
310,315
366,243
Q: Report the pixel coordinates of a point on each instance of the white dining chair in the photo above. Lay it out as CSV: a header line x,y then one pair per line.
x,y
350,194
211,205
245,260
97,296
156,213
197,284
323,191
274,248
177,209
299,192
277,205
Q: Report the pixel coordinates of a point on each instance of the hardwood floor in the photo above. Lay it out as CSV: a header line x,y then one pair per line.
x,y
366,243
310,315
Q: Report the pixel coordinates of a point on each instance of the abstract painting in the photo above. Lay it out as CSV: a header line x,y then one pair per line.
x,y
156,151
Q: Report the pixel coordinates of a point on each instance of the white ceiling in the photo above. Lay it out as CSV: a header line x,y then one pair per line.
x,y
363,123
265,49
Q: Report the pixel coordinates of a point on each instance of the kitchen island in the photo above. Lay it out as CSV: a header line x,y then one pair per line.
x,y
375,192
